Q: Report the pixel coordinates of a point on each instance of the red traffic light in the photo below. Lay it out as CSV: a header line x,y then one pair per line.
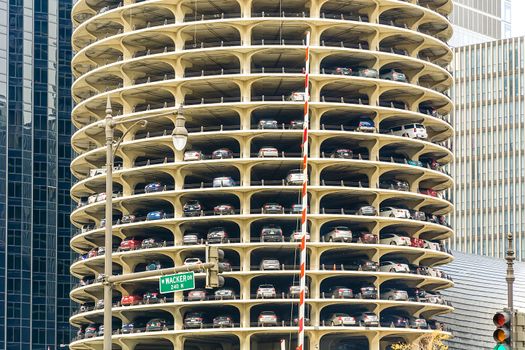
x,y
501,318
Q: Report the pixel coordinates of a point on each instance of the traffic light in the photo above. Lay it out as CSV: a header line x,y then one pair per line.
x,y
503,333
214,255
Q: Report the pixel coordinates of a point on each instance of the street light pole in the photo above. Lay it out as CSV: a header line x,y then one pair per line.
x,y
108,235
179,138
510,278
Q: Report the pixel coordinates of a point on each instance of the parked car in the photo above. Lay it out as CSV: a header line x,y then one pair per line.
x,y
365,72
394,184
192,262
267,124
298,209
413,131
392,212
222,321
128,300
267,318
343,71
342,153
91,330
368,265
367,210
394,321
414,162
191,238
92,253
365,125
429,192
268,152
151,298
193,155
367,292
225,266
341,319
392,266
153,187
217,235
295,177
224,181
340,292
296,124
417,242
297,96
418,323
194,320
224,294
418,215
271,233
156,325
272,208
127,219
155,215
129,244
197,295
394,239
295,290
222,153
338,234
154,265
432,245
224,209
394,294
192,208
365,237
97,171
296,236
132,327
149,243
393,74
269,264
367,319
266,291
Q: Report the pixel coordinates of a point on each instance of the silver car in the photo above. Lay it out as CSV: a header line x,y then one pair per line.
x,y
368,319
269,264
223,181
339,234
341,319
392,266
394,294
367,210
266,291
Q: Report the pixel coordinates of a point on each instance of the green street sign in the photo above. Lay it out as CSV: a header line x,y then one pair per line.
x,y
177,283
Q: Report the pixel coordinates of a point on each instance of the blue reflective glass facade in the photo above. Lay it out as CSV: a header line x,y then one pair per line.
x,y
34,173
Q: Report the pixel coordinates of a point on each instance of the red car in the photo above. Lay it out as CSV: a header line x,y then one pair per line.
x,y
417,243
367,238
429,192
130,300
93,253
129,244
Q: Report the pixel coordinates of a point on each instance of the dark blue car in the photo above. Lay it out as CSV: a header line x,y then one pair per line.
x,y
132,327
153,187
155,215
366,125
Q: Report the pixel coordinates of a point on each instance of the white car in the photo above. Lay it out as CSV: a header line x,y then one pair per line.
x,y
193,155
394,294
92,199
192,261
266,291
297,96
98,171
392,266
414,131
394,239
432,245
268,152
432,272
295,177
397,213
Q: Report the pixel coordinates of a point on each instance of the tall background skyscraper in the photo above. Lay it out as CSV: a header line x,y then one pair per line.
x,y
490,157
477,21
35,130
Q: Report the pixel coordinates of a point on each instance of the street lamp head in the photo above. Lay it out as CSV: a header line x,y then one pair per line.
x,y
180,133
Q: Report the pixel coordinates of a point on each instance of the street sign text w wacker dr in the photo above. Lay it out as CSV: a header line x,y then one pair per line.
x,y
177,283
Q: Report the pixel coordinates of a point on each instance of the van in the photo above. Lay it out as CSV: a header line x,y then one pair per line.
x,y
414,131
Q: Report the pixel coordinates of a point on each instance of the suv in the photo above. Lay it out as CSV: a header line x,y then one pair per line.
x,y
339,234
414,131
272,233
217,235
295,177
192,208
266,291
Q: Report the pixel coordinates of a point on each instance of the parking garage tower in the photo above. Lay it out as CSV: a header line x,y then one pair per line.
x,y
378,140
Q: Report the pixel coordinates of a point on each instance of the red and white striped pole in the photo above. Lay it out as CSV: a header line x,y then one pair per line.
x,y
304,203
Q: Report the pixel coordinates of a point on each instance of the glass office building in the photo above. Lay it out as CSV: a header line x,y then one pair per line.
x,y
35,130
490,156
477,21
